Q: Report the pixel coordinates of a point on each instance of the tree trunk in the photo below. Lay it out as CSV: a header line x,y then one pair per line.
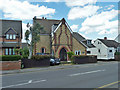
x,y
30,52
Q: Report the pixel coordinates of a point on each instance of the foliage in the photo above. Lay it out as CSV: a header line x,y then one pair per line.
x,y
35,34
10,57
117,53
24,52
70,54
40,57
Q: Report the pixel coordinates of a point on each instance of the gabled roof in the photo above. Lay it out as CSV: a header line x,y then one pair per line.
x,y
63,21
46,23
78,36
5,25
110,43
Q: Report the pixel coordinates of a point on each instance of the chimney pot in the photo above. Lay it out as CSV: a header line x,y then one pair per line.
x,y
42,17
105,38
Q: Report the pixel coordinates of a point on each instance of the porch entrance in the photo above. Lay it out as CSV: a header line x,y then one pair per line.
x,y
63,54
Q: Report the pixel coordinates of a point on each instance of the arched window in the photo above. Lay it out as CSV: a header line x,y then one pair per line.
x,y
43,50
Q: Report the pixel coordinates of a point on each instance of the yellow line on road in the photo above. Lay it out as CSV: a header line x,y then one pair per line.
x,y
109,84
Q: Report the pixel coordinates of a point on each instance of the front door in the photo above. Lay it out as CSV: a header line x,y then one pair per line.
x,y
63,54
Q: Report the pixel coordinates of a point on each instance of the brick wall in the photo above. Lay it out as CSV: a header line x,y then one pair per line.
x,y
10,65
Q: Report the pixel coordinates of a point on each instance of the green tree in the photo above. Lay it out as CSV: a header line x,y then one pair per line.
x,y
70,54
33,32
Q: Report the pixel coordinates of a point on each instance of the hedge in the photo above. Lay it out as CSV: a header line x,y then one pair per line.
x,y
41,57
10,58
117,53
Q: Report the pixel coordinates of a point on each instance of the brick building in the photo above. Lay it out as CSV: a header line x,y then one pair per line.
x,y
10,36
58,39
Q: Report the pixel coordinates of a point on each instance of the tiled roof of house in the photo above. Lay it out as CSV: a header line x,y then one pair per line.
x,y
5,25
47,24
89,45
81,39
110,43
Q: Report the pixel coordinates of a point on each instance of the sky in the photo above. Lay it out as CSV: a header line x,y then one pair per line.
x,y
91,18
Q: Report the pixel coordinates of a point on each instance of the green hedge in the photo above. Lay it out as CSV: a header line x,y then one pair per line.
x,y
10,58
41,57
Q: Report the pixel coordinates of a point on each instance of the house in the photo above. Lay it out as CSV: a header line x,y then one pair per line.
x,y
10,36
106,48
57,39
117,39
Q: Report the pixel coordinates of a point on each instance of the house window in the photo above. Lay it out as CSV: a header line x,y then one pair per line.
x,y
7,36
6,51
110,50
88,52
99,50
14,36
43,50
10,51
10,36
77,52
13,52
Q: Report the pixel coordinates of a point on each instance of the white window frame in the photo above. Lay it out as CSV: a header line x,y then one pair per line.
x,y
6,51
11,36
10,51
7,36
14,36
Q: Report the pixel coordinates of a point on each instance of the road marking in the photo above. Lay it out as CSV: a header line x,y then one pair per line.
x,y
109,84
86,72
29,82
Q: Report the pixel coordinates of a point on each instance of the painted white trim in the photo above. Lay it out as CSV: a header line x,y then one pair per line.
x,y
68,27
57,27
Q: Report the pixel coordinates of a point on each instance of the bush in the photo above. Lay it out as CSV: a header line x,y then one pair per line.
x,y
10,58
117,53
40,57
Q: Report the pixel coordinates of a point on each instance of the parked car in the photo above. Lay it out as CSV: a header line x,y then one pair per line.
x,y
52,61
57,61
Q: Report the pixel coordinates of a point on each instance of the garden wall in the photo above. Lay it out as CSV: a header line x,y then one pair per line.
x,y
84,59
30,63
10,65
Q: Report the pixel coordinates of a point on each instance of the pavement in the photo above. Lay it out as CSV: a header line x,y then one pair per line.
x,y
98,75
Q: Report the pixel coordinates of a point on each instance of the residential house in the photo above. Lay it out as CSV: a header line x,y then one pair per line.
x,y
106,48
10,36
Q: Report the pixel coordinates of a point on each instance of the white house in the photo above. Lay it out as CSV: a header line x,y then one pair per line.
x,y
106,48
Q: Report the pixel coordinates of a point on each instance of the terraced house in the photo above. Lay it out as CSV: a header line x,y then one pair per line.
x,y
58,39
10,36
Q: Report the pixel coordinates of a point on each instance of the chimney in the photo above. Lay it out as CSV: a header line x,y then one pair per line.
x,y
105,38
42,17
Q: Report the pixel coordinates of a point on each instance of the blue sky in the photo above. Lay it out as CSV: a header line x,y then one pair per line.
x,y
91,18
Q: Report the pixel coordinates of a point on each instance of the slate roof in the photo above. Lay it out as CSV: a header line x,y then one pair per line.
x,y
81,39
110,43
90,45
7,24
46,23
78,36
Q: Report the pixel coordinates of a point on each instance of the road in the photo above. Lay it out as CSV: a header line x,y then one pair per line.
x,y
96,76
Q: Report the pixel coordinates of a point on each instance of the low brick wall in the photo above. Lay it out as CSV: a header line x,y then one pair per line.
x,y
10,65
84,59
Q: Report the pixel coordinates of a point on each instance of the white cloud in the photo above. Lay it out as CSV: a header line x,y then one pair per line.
x,y
74,27
78,12
52,0
15,9
101,23
71,3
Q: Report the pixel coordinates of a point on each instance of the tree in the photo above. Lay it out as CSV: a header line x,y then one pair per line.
x,y
33,32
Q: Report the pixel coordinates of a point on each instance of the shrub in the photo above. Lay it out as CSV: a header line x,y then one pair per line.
x,y
40,57
70,54
10,58
117,53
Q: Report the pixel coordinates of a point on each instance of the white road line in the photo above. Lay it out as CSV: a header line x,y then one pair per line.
x,y
29,82
86,72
